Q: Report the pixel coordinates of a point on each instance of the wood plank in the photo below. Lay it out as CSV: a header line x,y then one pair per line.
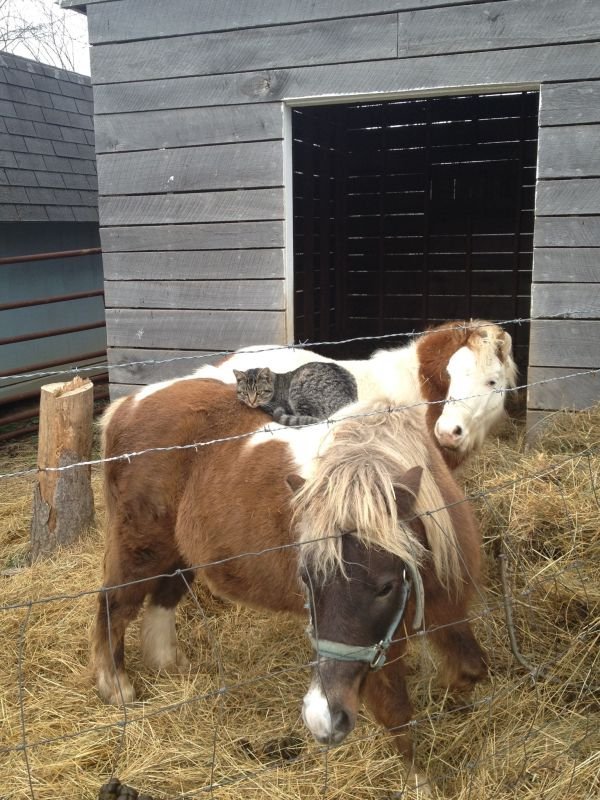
x,y
330,42
503,24
193,265
569,151
236,295
218,236
218,330
570,103
569,197
573,393
574,265
562,343
226,166
427,75
567,232
132,372
118,390
136,19
148,130
571,300
164,209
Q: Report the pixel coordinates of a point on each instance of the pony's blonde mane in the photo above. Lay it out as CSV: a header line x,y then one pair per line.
x,y
352,489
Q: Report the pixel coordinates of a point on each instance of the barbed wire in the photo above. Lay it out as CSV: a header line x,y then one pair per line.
x,y
77,370
504,485
273,428
489,610
128,719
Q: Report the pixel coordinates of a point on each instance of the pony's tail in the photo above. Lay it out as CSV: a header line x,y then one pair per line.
x,y
282,418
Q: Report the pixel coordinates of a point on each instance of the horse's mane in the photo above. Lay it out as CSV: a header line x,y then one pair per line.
x,y
352,489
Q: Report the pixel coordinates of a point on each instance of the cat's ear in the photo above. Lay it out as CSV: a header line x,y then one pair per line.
x,y
239,375
264,372
295,482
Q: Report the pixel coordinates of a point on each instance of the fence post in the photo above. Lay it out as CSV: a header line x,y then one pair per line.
x,y
63,502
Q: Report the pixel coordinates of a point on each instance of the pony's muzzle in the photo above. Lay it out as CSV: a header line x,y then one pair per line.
x,y
329,723
450,436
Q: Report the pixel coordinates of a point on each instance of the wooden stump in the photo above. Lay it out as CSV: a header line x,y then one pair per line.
x,y
63,502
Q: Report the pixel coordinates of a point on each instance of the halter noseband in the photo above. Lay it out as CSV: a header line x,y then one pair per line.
x,y
375,654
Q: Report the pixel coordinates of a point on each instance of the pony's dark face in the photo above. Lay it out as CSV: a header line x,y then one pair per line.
x,y
255,387
357,608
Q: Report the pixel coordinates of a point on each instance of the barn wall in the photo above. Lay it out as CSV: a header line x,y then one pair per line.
x,y
189,136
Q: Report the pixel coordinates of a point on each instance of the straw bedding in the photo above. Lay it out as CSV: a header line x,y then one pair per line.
x,y
527,735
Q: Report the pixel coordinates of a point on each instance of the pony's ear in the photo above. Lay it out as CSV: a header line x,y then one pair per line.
x,y
503,345
407,490
295,482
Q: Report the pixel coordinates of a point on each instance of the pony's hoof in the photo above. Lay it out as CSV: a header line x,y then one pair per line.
x,y
115,691
181,664
177,664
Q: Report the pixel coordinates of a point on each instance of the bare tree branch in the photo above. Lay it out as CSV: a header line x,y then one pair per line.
x,y
37,28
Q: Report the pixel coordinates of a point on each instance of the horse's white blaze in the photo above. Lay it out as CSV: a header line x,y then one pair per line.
x,y
473,404
159,639
316,714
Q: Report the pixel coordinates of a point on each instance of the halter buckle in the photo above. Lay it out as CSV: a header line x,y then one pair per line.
x,y
379,656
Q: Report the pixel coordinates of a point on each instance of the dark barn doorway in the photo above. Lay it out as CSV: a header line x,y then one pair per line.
x,y
411,212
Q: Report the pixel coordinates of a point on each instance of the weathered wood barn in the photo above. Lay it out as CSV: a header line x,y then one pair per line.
x,y
293,170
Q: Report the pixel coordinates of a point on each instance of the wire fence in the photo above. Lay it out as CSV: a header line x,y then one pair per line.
x,y
509,601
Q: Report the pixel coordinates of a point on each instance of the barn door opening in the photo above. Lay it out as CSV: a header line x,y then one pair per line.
x,y
411,212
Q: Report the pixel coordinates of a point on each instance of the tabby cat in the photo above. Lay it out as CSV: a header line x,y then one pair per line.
x,y
305,395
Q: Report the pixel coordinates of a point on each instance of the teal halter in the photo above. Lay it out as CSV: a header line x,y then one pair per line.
x,y
375,654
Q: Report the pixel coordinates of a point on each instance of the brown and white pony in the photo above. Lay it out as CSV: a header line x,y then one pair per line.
x,y
359,538
469,364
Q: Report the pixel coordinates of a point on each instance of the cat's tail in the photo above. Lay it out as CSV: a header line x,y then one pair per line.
x,y
282,418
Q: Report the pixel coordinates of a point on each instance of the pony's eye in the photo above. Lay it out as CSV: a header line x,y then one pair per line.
x,y
492,383
385,590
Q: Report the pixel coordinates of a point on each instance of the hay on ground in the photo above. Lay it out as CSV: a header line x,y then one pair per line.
x,y
524,737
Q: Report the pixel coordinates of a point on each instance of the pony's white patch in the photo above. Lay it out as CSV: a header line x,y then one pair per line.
x,y
393,374
304,443
154,387
277,358
316,714
159,639
207,371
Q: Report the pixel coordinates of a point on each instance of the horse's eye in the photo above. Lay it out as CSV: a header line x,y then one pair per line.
x,y
304,577
385,590
491,383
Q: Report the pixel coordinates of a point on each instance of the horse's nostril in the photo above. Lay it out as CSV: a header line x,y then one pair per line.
x,y
340,722
457,431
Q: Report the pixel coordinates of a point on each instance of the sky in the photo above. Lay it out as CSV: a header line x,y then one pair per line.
x,y
69,28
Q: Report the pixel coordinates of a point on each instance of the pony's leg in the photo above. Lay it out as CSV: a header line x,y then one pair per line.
x,y
160,650
385,695
116,609
464,662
